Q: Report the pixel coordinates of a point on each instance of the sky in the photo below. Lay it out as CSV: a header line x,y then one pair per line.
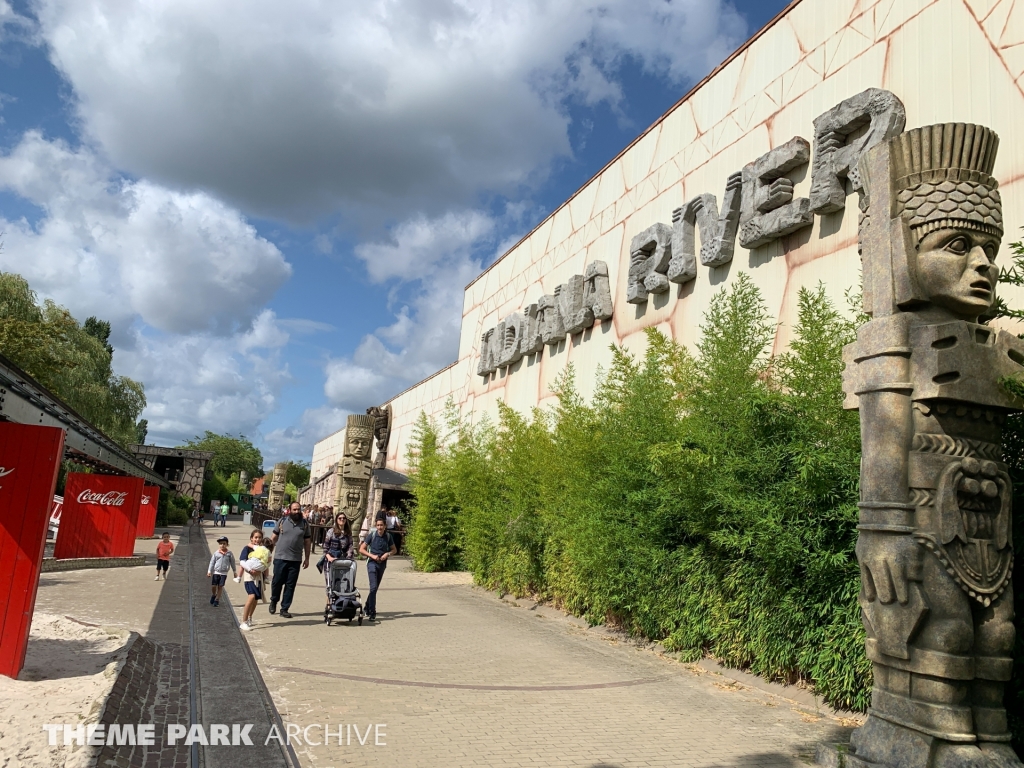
x,y
277,206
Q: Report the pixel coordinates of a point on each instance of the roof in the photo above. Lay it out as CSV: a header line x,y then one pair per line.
x,y
389,478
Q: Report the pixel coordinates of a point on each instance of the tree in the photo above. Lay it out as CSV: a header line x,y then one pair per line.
x,y
72,361
141,430
231,454
298,473
99,330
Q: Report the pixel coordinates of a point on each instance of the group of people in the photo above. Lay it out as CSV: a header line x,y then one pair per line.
x,y
290,546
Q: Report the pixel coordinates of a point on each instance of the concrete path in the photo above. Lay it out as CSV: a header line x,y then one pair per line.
x,y
453,676
229,685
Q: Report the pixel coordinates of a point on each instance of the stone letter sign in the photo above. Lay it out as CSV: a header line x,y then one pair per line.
x,y
575,306
934,546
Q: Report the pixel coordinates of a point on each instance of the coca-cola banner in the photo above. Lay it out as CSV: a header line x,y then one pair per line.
x,y
100,516
30,456
147,511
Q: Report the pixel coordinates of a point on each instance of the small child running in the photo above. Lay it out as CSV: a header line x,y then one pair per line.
x,y
164,550
221,564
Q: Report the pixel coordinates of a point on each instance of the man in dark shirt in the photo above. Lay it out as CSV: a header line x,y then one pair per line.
x,y
378,546
292,540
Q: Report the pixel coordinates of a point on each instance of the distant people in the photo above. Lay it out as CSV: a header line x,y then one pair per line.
x,y
222,562
224,509
394,525
164,550
197,514
292,541
337,546
254,580
378,546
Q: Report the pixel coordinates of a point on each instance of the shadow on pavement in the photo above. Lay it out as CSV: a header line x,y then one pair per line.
x,y
407,615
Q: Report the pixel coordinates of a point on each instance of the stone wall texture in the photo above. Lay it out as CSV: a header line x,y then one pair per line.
x,y
946,60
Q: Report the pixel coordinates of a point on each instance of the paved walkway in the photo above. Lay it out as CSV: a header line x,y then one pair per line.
x,y
456,677
229,686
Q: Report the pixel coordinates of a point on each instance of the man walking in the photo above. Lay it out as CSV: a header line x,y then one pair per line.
x,y
377,548
292,540
224,509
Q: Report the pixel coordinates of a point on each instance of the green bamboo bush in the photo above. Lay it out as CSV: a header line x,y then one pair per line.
x,y
706,500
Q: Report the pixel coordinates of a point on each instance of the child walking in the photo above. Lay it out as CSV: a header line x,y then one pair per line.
x,y
253,573
164,550
221,564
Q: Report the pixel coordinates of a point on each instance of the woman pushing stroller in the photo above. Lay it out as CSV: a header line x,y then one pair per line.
x,y
337,546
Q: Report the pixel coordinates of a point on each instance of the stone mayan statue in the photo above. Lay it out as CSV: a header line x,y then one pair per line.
x,y
354,471
275,496
381,433
934,544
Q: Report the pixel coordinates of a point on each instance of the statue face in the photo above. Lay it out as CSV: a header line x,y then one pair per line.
x,y
353,499
359,446
956,271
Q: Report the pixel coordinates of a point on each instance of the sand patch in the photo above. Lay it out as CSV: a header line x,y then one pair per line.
x,y
69,671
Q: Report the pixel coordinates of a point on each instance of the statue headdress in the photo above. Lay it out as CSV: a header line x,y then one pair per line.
x,y
943,179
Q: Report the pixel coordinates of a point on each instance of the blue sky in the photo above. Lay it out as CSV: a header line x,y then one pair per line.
x,y
277,205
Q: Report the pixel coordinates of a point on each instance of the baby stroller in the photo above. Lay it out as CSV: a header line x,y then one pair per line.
x,y
343,595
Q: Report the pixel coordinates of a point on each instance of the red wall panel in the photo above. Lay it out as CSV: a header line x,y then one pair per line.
x,y
147,511
100,516
29,459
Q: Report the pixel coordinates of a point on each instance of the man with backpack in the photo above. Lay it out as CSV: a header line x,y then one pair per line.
x,y
292,541
377,547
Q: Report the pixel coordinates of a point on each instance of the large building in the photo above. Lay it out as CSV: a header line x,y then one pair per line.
x,y
771,135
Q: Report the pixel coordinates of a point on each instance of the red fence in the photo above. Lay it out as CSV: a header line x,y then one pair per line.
x,y
29,459
101,513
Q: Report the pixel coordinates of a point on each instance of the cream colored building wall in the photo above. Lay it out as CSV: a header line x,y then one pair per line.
x,y
327,453
947,60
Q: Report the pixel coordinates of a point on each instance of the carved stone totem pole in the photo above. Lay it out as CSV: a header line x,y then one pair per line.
x,y
275,496
354,471
934,542
381,432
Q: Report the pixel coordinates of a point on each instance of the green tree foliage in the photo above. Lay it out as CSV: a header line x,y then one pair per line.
x,y
705,500
433,536
72,361
1013,455
231,454
298,473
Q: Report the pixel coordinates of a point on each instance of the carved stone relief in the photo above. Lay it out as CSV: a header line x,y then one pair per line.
x,y
574,306
768,210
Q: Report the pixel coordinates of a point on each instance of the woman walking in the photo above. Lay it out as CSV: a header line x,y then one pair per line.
x,y
337,546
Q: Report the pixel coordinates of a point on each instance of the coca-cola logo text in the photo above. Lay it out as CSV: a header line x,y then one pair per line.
x,y
108,499
145,499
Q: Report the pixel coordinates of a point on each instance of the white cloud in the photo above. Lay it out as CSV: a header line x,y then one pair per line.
x,y
418,246
298,109
437,257
225,384
120,249
295,442
181,277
